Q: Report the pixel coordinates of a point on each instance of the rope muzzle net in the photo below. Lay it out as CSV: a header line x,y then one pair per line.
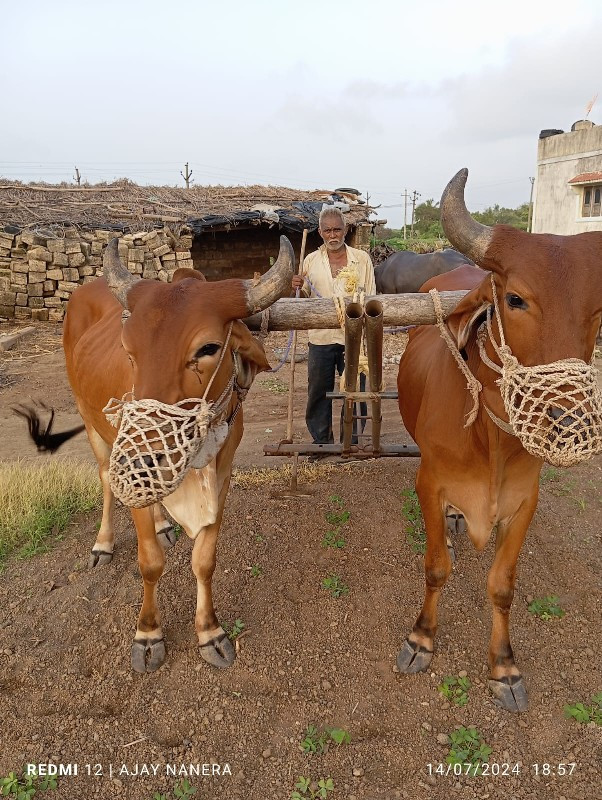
x,y
555,410
157,443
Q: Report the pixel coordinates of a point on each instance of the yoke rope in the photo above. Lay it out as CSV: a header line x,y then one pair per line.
x,y
263,332
472,384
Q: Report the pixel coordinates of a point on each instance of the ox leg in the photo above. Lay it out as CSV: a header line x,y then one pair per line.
x,y
163,527
216,648
506,682
102,550
417,650
148,648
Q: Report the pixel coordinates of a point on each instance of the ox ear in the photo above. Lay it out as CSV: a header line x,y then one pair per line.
x,y
462,320
251,356
185,272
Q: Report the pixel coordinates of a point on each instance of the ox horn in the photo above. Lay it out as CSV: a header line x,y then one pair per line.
x,y
116,275
276,281
466,234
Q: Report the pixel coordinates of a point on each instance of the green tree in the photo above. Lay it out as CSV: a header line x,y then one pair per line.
x,y
497,215
427,223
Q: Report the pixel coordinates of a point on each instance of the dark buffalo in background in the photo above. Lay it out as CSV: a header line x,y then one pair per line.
x,y
405,271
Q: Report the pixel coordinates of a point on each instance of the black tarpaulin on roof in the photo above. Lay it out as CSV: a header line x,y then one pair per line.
x,y
300,216
198,224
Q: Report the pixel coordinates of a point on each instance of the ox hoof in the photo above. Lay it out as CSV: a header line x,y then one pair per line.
x,y
98,558
167,537
219,652
147,656
456,523
510,693
413,657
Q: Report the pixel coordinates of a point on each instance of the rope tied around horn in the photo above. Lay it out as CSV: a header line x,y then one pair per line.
x,y
472,384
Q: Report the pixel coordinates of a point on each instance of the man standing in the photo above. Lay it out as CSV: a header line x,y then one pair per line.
x,y
333,269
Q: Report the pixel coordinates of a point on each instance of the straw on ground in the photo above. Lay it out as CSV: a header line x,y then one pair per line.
x,y
40,500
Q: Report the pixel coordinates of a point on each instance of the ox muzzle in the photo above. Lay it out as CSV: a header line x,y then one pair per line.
x,y
555,409
158,443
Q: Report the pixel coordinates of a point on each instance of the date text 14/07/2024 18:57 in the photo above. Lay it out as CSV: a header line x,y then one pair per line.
x,y
494,768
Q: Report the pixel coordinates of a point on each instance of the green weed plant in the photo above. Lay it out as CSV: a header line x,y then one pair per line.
x,y
468,749
335,586
304,791
546,608
455,689
583,713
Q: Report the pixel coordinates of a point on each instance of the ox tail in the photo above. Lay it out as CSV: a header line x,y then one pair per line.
x,y
42,436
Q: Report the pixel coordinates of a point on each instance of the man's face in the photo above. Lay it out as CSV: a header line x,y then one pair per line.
x,y
332,232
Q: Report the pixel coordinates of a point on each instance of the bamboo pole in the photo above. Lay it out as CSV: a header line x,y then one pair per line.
x,y
293,353
294,490
374,345
354,325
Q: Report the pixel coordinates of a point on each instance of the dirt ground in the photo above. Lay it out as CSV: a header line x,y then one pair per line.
x,y
69,696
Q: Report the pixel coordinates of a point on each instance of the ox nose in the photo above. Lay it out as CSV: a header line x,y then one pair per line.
x,y
138,463
143,461
561,417
570,424
568,418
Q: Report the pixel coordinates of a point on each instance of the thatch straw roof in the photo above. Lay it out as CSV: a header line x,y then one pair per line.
x,y
124,205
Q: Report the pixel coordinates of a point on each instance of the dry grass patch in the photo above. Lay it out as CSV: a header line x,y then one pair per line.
x,y
39,500
308,473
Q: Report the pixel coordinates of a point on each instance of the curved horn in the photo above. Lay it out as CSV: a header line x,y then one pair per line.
x,y
466,234
276,281
116,275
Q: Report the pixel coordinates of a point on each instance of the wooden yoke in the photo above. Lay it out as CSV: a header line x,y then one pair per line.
x,y
301,314
394,310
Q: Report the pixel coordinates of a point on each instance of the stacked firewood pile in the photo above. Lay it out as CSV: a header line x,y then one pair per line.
x,y
38,273
380,251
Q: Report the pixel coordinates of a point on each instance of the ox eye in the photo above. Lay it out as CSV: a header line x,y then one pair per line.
x,y
207,350
515,301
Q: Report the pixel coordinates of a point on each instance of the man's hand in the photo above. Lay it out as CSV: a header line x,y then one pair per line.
x,y
297,282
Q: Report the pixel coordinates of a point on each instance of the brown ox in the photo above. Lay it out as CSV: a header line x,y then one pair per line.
x,y
549,290
165,346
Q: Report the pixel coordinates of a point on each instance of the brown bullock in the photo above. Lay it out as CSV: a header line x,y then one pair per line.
x,y
549,293
155,345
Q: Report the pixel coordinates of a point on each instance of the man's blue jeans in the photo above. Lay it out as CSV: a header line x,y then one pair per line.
x,y
323,362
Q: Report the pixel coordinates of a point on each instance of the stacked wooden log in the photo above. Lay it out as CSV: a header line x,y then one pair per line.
x,y
39,273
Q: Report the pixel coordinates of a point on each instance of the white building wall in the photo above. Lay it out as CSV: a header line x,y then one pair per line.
x,y
557,204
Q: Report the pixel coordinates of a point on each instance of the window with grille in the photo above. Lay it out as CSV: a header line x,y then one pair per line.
x,y
591,201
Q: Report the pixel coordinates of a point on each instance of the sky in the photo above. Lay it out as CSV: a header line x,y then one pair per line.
x,y
384,97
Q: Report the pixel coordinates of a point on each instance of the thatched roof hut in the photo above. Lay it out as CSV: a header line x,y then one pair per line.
x,y
235,229
125,206
52,237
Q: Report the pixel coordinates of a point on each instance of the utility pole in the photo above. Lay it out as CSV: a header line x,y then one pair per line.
x,y
187,175
415,196
530,215
77,177
405,196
